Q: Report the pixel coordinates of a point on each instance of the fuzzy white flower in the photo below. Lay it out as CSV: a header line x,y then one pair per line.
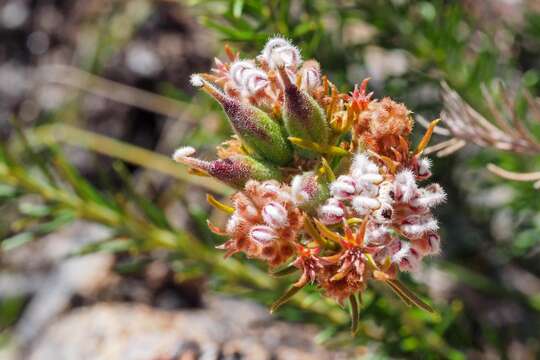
x,y
275,215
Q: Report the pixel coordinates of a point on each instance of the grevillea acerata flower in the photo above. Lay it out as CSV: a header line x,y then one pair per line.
x,y
328,183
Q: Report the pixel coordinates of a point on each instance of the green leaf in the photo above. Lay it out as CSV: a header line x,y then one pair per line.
x,y
16,241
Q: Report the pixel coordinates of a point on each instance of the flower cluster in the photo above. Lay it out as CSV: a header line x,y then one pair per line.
x,y
328,184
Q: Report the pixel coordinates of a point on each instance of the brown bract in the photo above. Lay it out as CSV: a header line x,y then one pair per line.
x,y
251,234
383,126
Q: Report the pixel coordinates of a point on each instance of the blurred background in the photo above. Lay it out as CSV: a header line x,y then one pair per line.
x,y
105,252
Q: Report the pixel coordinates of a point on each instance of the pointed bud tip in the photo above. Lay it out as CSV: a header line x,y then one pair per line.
x,y
196,80
181,153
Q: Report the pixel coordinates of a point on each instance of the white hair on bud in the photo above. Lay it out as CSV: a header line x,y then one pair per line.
x,y
424,167
386,189
403,250
183,152
384,213
238,70
365,202
331,212
296,189
254,80
311,78
418,225
362,165
376,234
429,197
367,189
271,45
343,188
262,234
275,215
196,80
405,186
374,178
304,188
234,221
279,52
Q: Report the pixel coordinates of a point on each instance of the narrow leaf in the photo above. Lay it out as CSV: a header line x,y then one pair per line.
x,y
411,296
284,298
285,271
355,314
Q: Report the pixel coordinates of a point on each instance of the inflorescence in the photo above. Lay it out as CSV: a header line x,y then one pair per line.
x,y
328,184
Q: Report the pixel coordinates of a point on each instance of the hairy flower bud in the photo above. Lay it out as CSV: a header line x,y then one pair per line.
x,y
363,204
262,234
238,71
307,191
302,115
332,212
279,52
429,197
405,186
423,170
407,258
344,188
235,170
258,132
428,244
311,75
275,215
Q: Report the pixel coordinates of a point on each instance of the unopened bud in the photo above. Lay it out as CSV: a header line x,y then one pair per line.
x,y
311,75
262,234
428,244
235,170
423,168
405,188
255,81
307,191
279,52
363,204
257,131
238,71
345,187
302,115
407,258
275,215
332,212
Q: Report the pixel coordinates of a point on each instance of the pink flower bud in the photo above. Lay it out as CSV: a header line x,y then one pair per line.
x,y
237,225
262,234
254,81
363,204
332,212
363,165
428,244
377,234
311,76
415,226
374,178
275,215
424,168
239,70
343,188
384,213
405,188
245,207
429,197
407,258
